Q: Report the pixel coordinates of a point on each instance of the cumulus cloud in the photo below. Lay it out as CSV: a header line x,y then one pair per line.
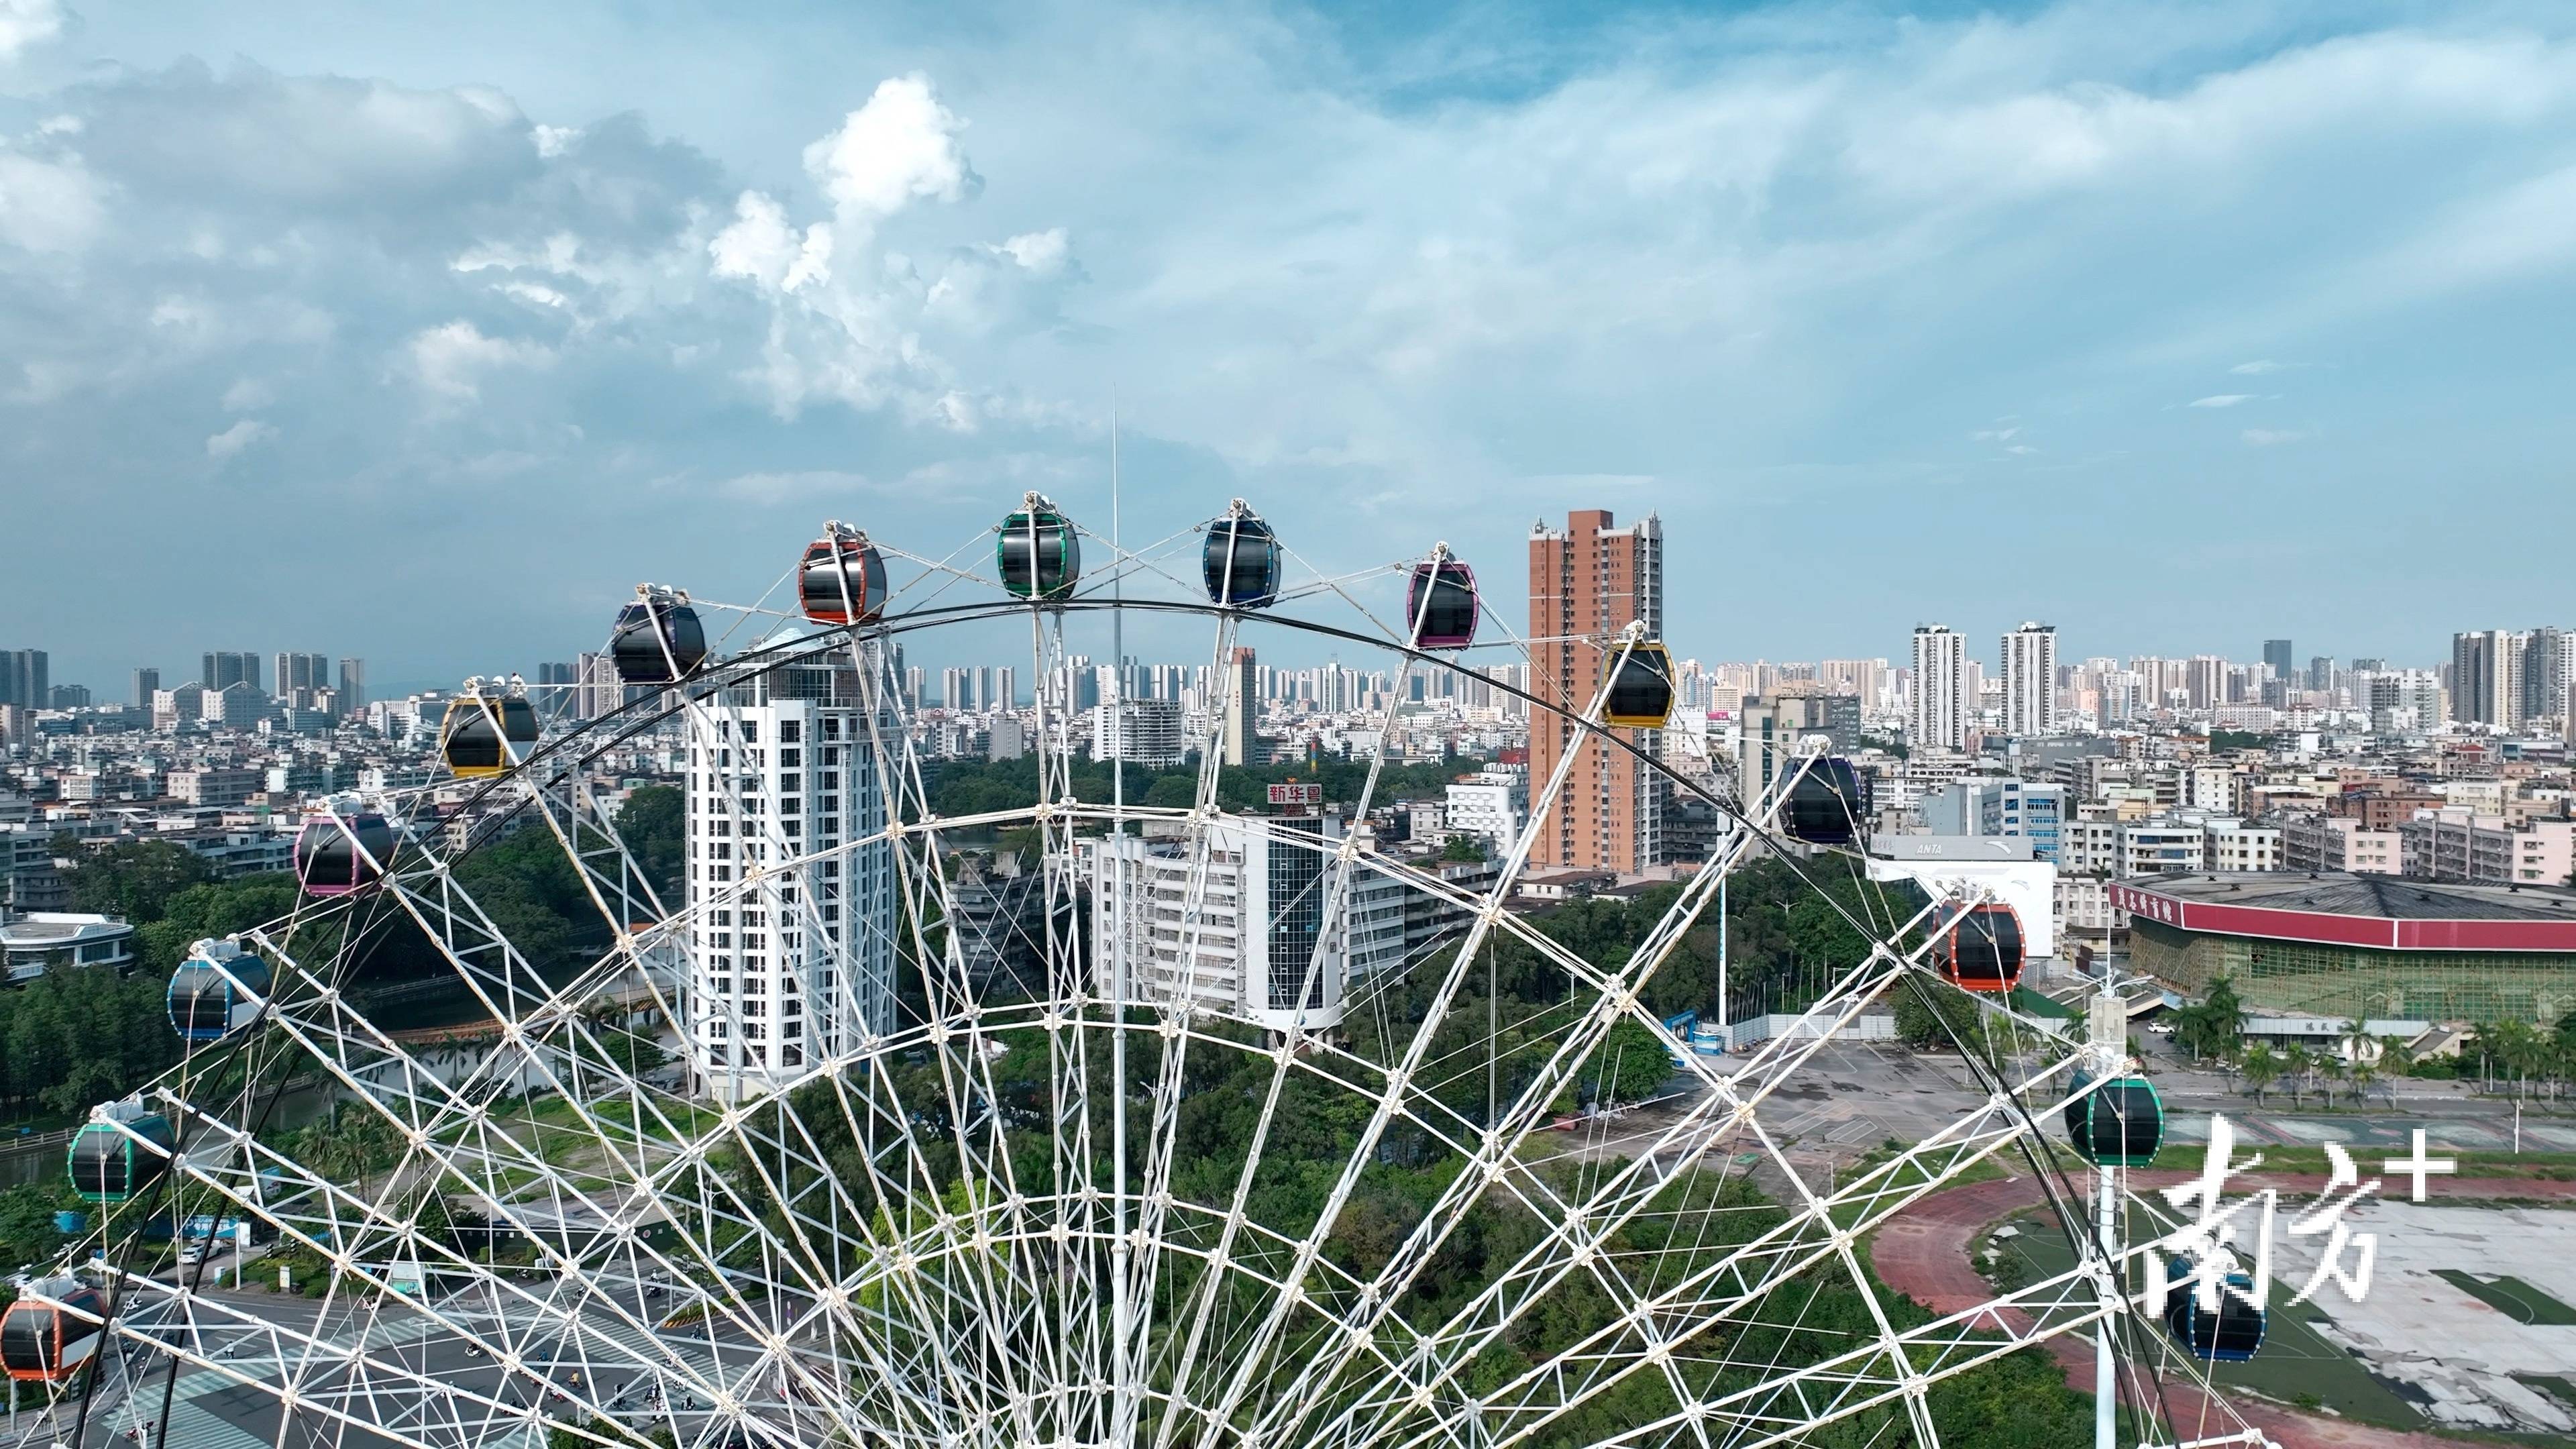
x,y
452,359
761,246
899,147
26,23
231,441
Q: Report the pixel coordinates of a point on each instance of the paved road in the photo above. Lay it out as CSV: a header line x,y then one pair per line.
x,y
1923,1253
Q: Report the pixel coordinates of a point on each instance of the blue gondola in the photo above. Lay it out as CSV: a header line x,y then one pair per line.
x,y
1241,560
1828,804
1037,551
217,991
2230,1333
112,1157
658,639
2118,1124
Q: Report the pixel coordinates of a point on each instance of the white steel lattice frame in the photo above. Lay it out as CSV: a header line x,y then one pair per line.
x,y
906,1245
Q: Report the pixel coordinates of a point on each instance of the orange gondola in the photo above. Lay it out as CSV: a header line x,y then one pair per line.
x,y
47,1343
842,579
1980,948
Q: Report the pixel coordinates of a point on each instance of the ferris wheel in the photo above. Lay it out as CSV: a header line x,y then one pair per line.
x,y
1100,1115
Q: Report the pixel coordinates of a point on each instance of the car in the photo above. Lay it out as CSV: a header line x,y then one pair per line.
x,y
192,1254
2161,1028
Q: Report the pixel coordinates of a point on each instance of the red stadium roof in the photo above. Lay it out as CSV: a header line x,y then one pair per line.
x,y
2384,912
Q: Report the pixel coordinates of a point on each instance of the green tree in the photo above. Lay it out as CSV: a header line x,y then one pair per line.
x,y
132,878
2261,1067
1463,848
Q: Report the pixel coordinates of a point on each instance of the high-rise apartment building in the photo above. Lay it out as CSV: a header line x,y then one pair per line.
x,y
352,698
2486,678
26,678
1242,743
1243,937
2548,669
222,669
1588,582
1006,687
2278,654
2030,680
2205,679
792,935
1938,716
147,683
301,676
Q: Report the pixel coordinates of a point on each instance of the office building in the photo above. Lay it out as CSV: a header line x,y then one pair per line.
x,y
2486,678
2030,680
352,697
793,955
25,678
2279,657
1236,927
223,669
1771,734
147,683
1938,716
1588,582
1242,742
68,696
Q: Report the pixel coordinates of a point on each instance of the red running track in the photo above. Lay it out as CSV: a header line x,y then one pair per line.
x,y
1923,1254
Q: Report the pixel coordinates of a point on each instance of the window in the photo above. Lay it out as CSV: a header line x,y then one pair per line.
x,y
789,731
789,759
791,784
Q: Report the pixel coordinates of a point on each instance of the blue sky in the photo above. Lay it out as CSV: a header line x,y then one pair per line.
x,y
424,332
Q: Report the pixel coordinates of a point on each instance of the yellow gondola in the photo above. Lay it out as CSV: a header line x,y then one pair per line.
x,y
1641,693
487,732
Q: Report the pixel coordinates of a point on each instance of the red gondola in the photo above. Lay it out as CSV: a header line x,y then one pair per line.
x,y
344,854
1440,606
843,577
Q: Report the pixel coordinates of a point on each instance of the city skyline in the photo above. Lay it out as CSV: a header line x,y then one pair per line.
x,y
1831,281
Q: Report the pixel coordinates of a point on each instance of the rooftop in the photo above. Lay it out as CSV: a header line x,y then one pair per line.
x,y
2372,911
2382,896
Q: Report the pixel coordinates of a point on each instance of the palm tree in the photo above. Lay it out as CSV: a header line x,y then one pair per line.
x,y
2364,1072
2261,1067
2330,1070
2397,1059
2296,1063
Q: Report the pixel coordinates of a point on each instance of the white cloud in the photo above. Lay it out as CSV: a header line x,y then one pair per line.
x,y
1042,252
48,206
25,23
901,145
231,441
2273,437
1994,435
788,486
2223,400
2256,368
451,359
761,246
248,395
